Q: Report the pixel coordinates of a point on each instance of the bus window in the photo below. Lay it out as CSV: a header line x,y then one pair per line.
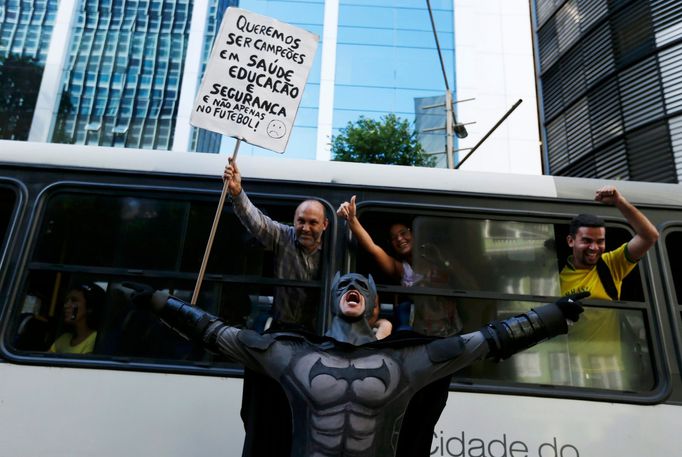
x,y
112,237
483,254
623,364
505,256
520,258
673,246
8,201
150,234
108,231
460,264
474,254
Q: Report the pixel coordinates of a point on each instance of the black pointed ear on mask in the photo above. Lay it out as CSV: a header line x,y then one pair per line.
x,y
372,284
337,276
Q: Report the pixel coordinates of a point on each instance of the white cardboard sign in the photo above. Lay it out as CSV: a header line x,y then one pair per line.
x,y
254,80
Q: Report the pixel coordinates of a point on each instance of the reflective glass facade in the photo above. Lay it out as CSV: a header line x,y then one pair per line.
x,y
205,140
386,57
610,76
26,27
387,61
25,31
123,73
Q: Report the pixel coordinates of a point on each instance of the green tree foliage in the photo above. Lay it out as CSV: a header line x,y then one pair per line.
x,y
390,140
19,85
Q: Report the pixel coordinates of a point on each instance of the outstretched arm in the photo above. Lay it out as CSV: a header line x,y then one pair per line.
x,y
645,232
515,334
189,321
195,324
498,340
388,264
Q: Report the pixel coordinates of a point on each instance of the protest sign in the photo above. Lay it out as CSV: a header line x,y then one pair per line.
x,y
254,80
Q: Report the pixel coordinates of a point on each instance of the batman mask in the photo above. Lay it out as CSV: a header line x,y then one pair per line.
x,y
349,322
362,286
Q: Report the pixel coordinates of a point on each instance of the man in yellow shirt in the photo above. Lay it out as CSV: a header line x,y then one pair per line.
x,y
594,345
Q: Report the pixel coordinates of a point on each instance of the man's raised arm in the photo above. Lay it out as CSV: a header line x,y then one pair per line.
x,y
645,232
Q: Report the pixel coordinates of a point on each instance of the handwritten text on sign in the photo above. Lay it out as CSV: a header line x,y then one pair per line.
x,y
254,80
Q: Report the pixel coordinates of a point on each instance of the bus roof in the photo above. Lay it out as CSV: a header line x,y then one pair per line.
x,y
352,174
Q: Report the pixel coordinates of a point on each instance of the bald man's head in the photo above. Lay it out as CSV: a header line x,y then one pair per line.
x,y
310,223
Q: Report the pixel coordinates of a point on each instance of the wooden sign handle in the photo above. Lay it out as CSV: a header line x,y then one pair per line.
x,y
214,229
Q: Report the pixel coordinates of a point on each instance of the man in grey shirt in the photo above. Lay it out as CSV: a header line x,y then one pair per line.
x,y
297,250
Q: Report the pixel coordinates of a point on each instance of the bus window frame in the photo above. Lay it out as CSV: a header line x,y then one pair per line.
x,y
10,242
674,309
660,370
168,193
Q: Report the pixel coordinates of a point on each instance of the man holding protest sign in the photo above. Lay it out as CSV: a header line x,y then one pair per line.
x,y
251,91
297,249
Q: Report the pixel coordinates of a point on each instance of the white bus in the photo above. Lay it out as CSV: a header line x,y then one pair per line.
x,y
74,213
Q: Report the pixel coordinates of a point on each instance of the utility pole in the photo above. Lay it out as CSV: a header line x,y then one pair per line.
x,y
449,130
451,126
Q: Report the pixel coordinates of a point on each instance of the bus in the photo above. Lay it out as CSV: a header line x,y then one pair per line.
x,y
71,213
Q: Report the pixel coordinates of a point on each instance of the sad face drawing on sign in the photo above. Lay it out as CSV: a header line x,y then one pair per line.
x,y
276,129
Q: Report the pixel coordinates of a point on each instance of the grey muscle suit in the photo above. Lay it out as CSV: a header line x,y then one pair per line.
x,y
367,387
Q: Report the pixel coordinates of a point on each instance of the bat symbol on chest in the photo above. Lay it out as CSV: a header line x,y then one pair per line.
x,y
351,373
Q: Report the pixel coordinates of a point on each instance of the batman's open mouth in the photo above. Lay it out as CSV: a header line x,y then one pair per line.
x,y
353,297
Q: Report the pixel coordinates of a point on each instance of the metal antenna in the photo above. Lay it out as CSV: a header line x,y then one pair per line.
x,y
485,137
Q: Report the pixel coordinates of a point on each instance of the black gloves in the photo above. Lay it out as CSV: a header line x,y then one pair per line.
x,y
140,294
570,305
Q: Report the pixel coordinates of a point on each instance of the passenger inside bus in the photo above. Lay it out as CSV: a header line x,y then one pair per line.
x,y
435,316
298,250
596,344
81,317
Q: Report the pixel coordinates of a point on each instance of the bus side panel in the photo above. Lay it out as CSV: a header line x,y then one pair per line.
x,y
82,413
510,426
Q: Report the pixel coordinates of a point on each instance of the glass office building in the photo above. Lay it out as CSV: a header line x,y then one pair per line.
x,y
25,32
610,79
123,73
205,140
120,72
26,28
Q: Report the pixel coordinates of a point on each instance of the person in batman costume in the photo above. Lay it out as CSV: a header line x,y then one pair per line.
x,y
347,390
